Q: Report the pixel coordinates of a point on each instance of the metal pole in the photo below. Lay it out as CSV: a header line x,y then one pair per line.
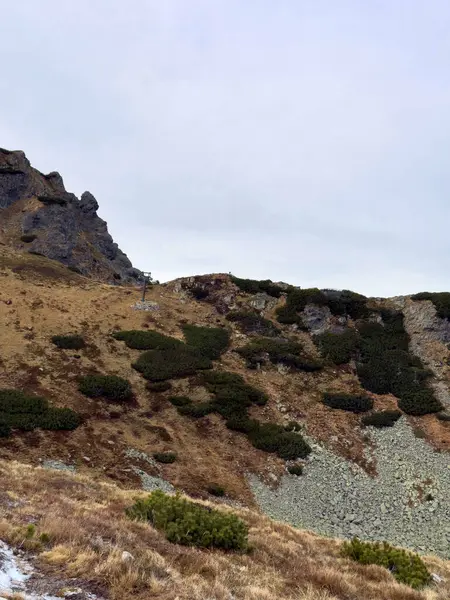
x,y
147,278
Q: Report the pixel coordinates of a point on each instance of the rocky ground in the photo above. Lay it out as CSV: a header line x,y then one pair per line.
x,y
407,503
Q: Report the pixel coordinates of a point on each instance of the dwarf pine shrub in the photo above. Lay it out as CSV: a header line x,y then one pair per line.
x,y
250,322
271,437
253,286
279,351
197,410
351,402
158,386
216,490
106,386
295,470
180,400
211,342
405,566
26,412
185,522
166,458
146,340
69,342
170,363
386,366
339,348
383,418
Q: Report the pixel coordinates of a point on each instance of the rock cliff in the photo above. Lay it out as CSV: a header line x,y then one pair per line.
x,y
38,215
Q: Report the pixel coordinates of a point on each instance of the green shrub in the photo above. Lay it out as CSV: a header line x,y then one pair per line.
x,y
232,394
271,437
293,426
27,238
69,342
198,410
191,524
159,386
420,402
253,286
19,410
211,342
199,292
216,490
170,363
386,367
347,303
146,340
441,301
106,386
180,400
351,402
251,322
384,418
241,423
166,458
279,351
339,348
296,302
405,566
5,430
295,470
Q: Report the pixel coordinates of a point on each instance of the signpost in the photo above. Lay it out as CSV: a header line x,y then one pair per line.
x,y
147,279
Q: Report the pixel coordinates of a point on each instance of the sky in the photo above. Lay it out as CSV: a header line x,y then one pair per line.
x,y
305,141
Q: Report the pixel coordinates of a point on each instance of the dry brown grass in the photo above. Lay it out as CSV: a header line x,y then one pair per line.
x,y
89,531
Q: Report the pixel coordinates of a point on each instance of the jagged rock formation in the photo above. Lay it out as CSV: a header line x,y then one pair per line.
x,y
40,216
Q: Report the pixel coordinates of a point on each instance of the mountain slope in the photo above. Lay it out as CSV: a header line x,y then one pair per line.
x,y
40,298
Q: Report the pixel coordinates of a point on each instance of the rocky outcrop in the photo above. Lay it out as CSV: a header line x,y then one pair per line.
x,y
40,216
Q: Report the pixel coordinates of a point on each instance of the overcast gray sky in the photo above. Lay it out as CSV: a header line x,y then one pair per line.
x,y
298,140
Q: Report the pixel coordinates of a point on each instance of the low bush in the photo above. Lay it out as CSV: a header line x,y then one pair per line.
x,y
216,490
146,340
196,411
295,470
386,366
26,412
106,386
350,402
69,342
241,423
170,363
232,395
347,303
405,566
384,418
296,302
166,458
191,524
199,293
159,386
441,301
211,342
293,426
27,238
180,400
419,403
339,348
271,437
253,286
251,322
279,351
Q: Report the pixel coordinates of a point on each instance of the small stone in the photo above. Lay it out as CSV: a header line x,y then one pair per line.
x,y
127,556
